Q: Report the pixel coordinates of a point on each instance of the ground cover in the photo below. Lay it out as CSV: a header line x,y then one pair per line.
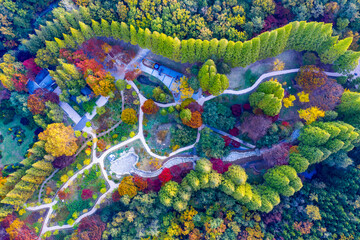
x,y
158,130
79,197
54,184
147,83
109,115
15,143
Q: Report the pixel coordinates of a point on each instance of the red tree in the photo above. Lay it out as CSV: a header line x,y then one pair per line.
x,y
195,107
154,184
140,183
116,196
89,67
86,194
165,175
234,132
30,65
236,144
91,228
236,110
227,140
20,81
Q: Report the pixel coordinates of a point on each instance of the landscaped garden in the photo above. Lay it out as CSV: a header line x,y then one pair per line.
x,y
179,120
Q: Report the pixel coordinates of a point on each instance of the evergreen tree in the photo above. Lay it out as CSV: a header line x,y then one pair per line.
x,y
198,49
85,14
271,44
245,56
125,32
105,27
236,58
115,30
96,27
55,32
222,48
71,20
264,44
347,62
278,45
335,51
69,41
229,52
86,31
60,43
141,38
255,49
52,46
184,51
204,50
77,36
177,48
191,50
213,48
147,38
133,35
64,23
155,42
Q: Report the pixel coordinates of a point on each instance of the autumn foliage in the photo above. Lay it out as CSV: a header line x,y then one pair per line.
x,y
91,228
86,194
310,77
140,183
101,82
59,140
127,187
129,116
36,101
195,121
149,107
165,175
20,81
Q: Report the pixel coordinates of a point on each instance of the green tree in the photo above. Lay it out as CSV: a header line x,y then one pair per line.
x,y
86,30
45,58
105,27
237,174
335,51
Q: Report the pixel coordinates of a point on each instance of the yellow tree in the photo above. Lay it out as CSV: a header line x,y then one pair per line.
x,y
311,114
59,140
127,187
303,97
278,65
288,102
185,89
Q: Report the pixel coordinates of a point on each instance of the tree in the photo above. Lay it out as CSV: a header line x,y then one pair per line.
x,y
276,156
210,145
255,126
91,228
129,116
236,174
335,51
210,80
149,107
45,58
127,187
195,120
313,136
59,140
165,176
63,161
310,78
349,108
288,102
203,165
311,114
219,116
101,82
299,163
347,62
268,97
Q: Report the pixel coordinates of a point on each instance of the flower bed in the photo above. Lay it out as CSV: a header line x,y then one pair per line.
x,y
79,197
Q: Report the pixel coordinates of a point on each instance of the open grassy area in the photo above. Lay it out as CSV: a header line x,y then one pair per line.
x,y
10,150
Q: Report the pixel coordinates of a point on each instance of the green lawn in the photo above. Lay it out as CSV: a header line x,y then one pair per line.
x,y
11,152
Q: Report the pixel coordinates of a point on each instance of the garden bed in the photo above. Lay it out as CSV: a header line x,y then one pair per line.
x,y
53,185
157,131
79,197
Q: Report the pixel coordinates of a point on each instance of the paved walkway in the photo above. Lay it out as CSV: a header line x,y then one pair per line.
x,y
140,136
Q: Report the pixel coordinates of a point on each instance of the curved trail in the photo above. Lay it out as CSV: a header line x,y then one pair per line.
x,y
140,136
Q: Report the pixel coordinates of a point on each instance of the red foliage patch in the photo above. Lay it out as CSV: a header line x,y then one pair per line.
x,y
236,144
234,132
285,123
86,194
154,184
236,110
116,196
217,164
30,65
91,228
227,140
175,170
195,107
247,107
165,175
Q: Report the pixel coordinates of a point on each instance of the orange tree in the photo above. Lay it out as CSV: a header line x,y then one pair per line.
x,y
101,82
129,116
195,121
59,140
149,107
127,187
310,77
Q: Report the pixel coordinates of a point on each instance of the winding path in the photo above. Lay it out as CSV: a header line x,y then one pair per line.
x,y
140,136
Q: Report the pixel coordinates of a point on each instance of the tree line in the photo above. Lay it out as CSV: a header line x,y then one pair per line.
x,y
72,29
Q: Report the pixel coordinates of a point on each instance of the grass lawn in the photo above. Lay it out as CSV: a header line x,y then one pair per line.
x,y
11,152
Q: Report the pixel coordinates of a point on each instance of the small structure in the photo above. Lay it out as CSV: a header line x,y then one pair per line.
x,y
42,80
124,164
